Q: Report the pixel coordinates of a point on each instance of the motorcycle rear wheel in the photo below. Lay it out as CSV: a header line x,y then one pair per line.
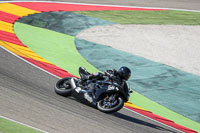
x,y
63,87
103,107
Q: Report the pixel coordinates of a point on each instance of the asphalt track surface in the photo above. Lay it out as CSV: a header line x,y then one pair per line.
x,y
27,95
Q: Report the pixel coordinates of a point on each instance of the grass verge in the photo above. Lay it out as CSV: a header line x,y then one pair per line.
x,y
168,17
7,126
55,47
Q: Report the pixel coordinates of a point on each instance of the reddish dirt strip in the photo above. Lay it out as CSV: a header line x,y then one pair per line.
x,y
10,18
162,120
74,7
9,37
50,68
45,7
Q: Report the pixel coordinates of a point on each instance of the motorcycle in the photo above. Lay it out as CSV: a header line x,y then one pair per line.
x,y
105,95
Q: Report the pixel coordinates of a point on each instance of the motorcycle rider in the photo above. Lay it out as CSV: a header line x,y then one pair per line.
x,y
120,76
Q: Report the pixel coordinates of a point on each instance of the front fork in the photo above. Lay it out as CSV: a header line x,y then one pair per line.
x,y
111,100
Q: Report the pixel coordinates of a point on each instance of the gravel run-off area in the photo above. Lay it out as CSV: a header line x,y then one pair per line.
x,y
174,45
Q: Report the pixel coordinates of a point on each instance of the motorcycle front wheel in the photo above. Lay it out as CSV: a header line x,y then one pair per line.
x,y
110,104
63,87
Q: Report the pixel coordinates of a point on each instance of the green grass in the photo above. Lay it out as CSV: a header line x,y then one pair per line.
x,y
168,17
53,46
7,126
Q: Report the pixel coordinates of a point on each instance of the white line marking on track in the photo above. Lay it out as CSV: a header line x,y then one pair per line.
x,y
28,62
22,124
105,5
153,120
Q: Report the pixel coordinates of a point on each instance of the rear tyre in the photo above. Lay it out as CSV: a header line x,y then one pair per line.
x,y
109,106
63,87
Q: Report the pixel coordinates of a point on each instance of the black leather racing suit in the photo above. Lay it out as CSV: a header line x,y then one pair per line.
x,y
112,74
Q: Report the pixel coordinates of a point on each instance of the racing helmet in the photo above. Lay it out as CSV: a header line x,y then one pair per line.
x,y
124,73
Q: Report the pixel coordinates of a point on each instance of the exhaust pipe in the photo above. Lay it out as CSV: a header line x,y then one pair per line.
x,y
73,84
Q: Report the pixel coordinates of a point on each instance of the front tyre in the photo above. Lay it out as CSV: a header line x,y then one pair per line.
x,y
110,104
63,87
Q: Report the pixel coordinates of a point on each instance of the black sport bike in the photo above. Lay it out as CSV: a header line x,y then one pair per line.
x,y
105,95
